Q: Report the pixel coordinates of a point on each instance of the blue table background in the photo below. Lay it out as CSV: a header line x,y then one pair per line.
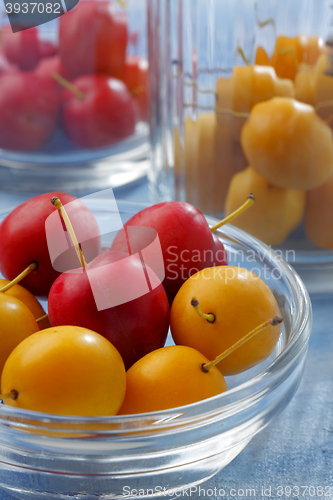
x,y
296,449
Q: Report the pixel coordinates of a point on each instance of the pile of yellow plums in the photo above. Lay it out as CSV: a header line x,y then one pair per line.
x,y
70,370
270,134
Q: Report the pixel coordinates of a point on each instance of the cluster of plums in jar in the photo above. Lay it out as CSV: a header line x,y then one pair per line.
x,y
271,134
88,359
86,84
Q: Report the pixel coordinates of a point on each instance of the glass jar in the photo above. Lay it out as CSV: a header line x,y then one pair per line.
x,y
73,95
243,103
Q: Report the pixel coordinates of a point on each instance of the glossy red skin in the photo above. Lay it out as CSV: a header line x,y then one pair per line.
x,y
134,328
49,65
28,111
107,113
46,49
93,38
23,240
221,257
6,66
21,48
179,225
135,77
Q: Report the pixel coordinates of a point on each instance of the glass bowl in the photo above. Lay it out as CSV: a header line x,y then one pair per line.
x,y
58,161
56,457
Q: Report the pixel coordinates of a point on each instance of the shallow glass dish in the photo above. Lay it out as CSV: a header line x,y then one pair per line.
x,y
58,161
55,457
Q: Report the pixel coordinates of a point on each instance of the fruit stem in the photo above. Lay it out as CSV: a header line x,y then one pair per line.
x,y
286,52
249,202
242,53
324,104
11,395
271,322
210,317
68,85
235,114
31,267
45,316
136,91
57,203
263,24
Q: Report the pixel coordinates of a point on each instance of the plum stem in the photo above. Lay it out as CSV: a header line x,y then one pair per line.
x,y
11,395
68,85
57,203
242,54
271,322
45,316
136,91
210,317
249,202
263,24
236,114
324,104
31,267
288,51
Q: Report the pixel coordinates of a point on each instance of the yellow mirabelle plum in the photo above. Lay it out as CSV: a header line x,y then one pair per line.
x,y
276,212
16,323
21,293
286,142
290,52
220,291
169,377
206,162
65,370
323,86
318,215
261,58
309,48
285,57
247,86
305,85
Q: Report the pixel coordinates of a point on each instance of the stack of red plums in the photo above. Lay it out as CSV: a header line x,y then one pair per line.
x,y
86,85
